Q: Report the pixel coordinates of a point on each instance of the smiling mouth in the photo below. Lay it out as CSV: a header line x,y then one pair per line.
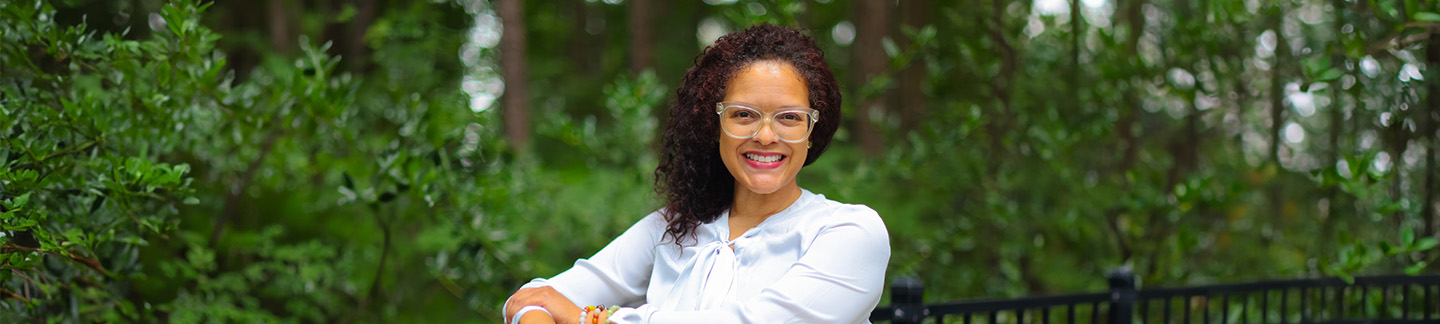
x,y
764,158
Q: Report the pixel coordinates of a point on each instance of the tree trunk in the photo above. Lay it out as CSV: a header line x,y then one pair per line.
x,y
282,33
358,53
583,45
1277,94
1337,128
515,100
642,40
1005,117
912,97
139,20
1135,23
1077,31
1277,114
1428,118
871,60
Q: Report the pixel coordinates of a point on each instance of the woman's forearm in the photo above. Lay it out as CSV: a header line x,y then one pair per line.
x,y
536,318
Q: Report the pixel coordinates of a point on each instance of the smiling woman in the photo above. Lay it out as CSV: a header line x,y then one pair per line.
x,y
757,107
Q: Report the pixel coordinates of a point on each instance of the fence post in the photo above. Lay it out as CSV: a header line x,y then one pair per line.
x,y
907,299
1122,295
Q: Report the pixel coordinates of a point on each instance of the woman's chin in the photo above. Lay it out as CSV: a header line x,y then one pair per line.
x,y
764,186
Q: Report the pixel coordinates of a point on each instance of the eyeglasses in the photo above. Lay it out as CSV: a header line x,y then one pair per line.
x,y
791,125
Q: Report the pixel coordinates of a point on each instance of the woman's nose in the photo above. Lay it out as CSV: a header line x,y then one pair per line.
x,y
766,134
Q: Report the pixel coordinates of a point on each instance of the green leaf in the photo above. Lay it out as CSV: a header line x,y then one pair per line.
x,y
1414,269
347,12
1331,74
22,224
1407,236
18,202
1427,16
1315,65
1425,244
891,50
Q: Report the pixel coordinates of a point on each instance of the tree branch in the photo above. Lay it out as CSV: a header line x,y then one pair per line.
x,y
10,294
380,267
88,262
232,202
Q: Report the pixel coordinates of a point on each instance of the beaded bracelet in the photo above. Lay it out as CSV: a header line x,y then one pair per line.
x,y
585,312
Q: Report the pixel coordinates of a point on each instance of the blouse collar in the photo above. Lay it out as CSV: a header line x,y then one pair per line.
x,y
722,223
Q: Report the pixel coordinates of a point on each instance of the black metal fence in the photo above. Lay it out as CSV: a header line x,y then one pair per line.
x,y
1377,299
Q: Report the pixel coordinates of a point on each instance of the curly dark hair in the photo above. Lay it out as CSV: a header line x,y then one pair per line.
x,y
691,178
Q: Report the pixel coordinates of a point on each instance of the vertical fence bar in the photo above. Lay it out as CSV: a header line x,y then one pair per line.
x,y
1432,313
1404,302
1245,308
1364,299
1205,310
1070,313
994,317
1045,315
1304,300
1384,301
1328,310
1122,295
1144,310
1264,304
1185,305
1340,307
1224,308
966,320
1284,303
1095,313
1165,313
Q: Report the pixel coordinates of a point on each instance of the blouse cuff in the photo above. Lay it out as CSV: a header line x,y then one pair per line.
x,y
523,310
638,315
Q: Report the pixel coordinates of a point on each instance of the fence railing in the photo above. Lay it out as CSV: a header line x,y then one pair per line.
x,y
1376,299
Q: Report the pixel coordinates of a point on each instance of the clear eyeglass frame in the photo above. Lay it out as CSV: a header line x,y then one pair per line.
x,y
768,118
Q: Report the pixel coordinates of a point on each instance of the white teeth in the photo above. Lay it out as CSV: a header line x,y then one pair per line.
x,y
756,157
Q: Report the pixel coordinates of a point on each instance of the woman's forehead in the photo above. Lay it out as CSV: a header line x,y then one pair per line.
x,y
768,84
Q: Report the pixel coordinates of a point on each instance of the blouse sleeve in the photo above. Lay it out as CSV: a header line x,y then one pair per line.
x,y
839,279
619,274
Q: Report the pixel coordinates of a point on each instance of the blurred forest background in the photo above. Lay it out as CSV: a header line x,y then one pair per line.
x,y
415,161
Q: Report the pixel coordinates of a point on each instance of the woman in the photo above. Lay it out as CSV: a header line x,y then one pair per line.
x,y
738,241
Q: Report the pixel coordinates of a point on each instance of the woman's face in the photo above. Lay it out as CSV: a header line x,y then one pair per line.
x,y
767,86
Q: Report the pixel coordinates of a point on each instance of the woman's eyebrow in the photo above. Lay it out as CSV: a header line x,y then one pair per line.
x,y
746,104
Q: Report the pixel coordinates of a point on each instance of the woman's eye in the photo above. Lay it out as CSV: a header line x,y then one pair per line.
x,y
790,116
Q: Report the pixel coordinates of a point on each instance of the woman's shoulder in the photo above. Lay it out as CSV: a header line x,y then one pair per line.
x,y
654,220
832,213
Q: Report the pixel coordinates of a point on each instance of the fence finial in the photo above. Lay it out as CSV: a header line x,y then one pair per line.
x,y
1122,294
907,297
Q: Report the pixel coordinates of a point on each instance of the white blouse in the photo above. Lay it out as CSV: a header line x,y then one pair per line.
x,y
818,261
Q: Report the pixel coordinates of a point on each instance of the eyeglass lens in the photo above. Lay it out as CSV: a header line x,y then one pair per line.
x,y
742,122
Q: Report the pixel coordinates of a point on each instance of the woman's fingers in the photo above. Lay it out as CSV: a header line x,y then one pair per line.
x,y
522,298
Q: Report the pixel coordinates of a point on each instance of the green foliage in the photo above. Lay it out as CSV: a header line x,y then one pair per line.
x,y
84,181
187,167
143,179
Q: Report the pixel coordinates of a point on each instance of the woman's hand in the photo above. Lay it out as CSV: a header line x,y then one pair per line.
x,y
561,308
